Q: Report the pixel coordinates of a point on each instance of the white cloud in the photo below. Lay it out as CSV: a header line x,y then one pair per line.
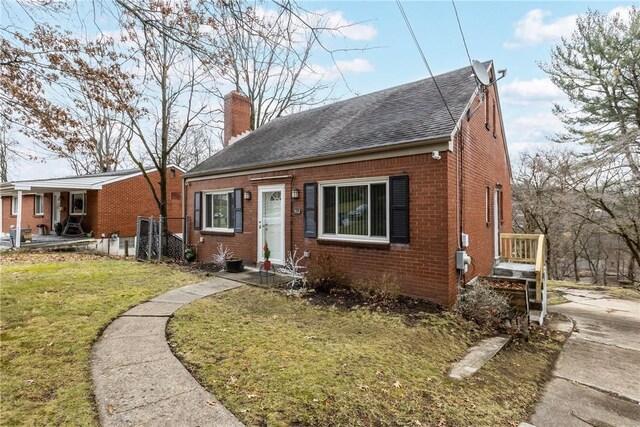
x,y
333,72
623,11
532,130
357,65
532,29
524,92
348,29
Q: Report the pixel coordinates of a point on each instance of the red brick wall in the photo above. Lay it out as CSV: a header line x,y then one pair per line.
x,y
420,266
119,204
29,219
484,163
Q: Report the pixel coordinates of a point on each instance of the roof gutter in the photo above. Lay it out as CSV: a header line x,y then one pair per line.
x,y
343,154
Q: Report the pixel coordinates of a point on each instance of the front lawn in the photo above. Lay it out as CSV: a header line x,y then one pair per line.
x,y
277,360
53,307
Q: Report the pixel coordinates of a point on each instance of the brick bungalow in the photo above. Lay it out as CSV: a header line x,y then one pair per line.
x,y
385,182
103,202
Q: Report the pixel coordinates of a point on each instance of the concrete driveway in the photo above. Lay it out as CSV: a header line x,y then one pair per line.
x,y
596,381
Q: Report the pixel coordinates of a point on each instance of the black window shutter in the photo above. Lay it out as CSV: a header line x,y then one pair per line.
x,y
399,205
231,209
197,210
311,210
237,204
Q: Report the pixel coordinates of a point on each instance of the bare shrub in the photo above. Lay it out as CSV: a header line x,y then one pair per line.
x,y
324,274
220,258
381,289
294,270
485,306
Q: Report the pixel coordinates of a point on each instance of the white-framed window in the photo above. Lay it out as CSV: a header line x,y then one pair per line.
x,y
78,203
14,205
355,209
38,204
218,210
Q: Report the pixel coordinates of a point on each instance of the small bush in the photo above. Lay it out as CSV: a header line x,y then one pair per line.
x,y
484,305
323,273
380,289
222,255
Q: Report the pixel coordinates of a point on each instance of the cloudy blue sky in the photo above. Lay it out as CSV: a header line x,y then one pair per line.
x,y
515,34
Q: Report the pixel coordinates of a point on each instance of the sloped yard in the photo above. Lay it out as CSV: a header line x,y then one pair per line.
x,y
277,360
52,309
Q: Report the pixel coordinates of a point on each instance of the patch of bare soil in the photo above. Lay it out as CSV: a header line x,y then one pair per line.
x,y
196,267
412,310
40,256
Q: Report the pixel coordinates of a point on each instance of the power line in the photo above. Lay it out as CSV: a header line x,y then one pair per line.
x,y
464,40
424,59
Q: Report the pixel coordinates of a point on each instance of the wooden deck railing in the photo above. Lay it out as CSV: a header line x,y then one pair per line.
x,y
526,249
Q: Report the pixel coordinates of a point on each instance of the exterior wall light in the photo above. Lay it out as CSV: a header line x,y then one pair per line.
x,y
295,193
247,195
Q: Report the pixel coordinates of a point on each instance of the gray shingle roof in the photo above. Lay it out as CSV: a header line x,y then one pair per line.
x,y
413,111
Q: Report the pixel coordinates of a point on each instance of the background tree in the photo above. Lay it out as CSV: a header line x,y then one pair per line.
x,y
104,135
43,70
266,55
197,145
598,68
173,87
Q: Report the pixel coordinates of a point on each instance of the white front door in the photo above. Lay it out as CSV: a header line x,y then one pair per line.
x,y
55,209
271,222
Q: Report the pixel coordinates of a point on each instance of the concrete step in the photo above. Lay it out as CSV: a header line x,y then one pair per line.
x,y
478,356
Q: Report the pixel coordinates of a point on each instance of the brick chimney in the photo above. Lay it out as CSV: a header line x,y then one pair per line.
x,y
237,116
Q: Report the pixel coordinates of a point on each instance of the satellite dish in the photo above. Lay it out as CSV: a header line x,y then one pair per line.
x,y
481,73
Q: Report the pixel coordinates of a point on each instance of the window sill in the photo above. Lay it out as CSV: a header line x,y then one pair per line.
x,y
217,233
354,243
38,215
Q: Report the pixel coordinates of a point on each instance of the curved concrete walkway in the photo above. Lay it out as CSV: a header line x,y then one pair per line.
x,y
137,379
595,380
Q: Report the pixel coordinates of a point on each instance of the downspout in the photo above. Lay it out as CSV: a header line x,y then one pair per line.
x,y
183,209
291,215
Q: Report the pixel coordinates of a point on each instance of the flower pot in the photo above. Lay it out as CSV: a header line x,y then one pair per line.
x,y
266,265
234,265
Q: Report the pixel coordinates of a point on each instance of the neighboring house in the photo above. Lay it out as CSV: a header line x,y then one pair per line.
x,y
386,182
103,203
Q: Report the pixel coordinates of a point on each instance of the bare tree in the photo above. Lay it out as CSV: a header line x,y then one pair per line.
x,y
173,82
104,136
40,73
266,55
197,145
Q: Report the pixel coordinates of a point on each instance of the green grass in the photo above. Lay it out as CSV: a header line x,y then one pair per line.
x,y
52,309
274,360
